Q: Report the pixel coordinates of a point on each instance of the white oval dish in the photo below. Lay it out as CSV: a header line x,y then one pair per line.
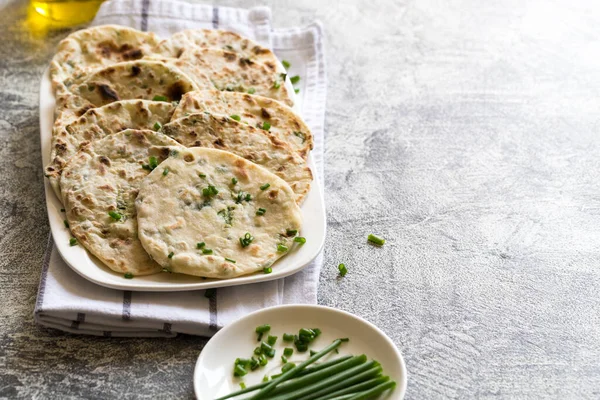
x,y
213,373
92,269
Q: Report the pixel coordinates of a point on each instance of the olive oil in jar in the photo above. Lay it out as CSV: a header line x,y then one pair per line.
x,y
66,13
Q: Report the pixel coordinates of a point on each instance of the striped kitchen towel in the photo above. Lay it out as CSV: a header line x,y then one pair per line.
x,y
70,303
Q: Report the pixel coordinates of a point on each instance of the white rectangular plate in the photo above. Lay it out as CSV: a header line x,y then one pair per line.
x,y
89,267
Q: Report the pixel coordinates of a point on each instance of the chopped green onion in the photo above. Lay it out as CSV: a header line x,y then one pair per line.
x,y
128,275
171,254
201,175
115,215
343,269
209,293
286,64
242,385
230,260
284,359
307,332
288,351
239,371
207,251
266,378
265,186
295,79
276,85
300,239
234,180
157,126
272,340
312,352
258,351
266,126
248,197
263,328
291,232
200,245
262,360
376,240
159,98
301,135
236,117
251,90
288,337
281,248
317,331
152,162
296,90
210,190
165,171
261,211
73,242
267,270
246,240
66,223
62,210
289,366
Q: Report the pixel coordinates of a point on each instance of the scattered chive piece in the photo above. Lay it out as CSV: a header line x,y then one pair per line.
x,y
66,223
267,270
295,79
258,351
265,186
202,175
296,90
207,251
171,254
246,240
115,215
128,275
210,190
165,171
262,360
242,385
300,239
288,351
152,162
281,248
312,353
343,269
284,359
209,293
317,331
286,64
248,197
272,340
200,245
236,117
157,126
73,242
376,240
261,211
266,378
288,337
62,210
251,90
276,85
159,98
234,181
291,232
230,260
301,135
266,126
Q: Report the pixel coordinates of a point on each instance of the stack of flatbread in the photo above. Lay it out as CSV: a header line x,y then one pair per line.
x,y
179,155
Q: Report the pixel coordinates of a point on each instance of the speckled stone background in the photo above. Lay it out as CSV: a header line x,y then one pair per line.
x,y
465,132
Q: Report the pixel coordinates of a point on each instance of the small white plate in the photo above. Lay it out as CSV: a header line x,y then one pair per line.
x,y
213,374
89,267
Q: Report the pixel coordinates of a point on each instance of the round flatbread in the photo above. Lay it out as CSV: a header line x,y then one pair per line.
x,y
256,145
100,122
96,47
254,110
99,188
219,39
234,73
195,220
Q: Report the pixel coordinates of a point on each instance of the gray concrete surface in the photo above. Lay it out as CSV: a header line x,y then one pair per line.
x,y
464,132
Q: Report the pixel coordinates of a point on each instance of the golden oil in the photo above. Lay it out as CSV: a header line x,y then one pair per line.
x,y
63,13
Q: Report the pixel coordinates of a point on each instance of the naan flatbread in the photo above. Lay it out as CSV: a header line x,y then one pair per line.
x,y
99,188
253,110
194,219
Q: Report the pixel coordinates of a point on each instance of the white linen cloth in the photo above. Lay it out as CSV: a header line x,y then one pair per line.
x,y
70,303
